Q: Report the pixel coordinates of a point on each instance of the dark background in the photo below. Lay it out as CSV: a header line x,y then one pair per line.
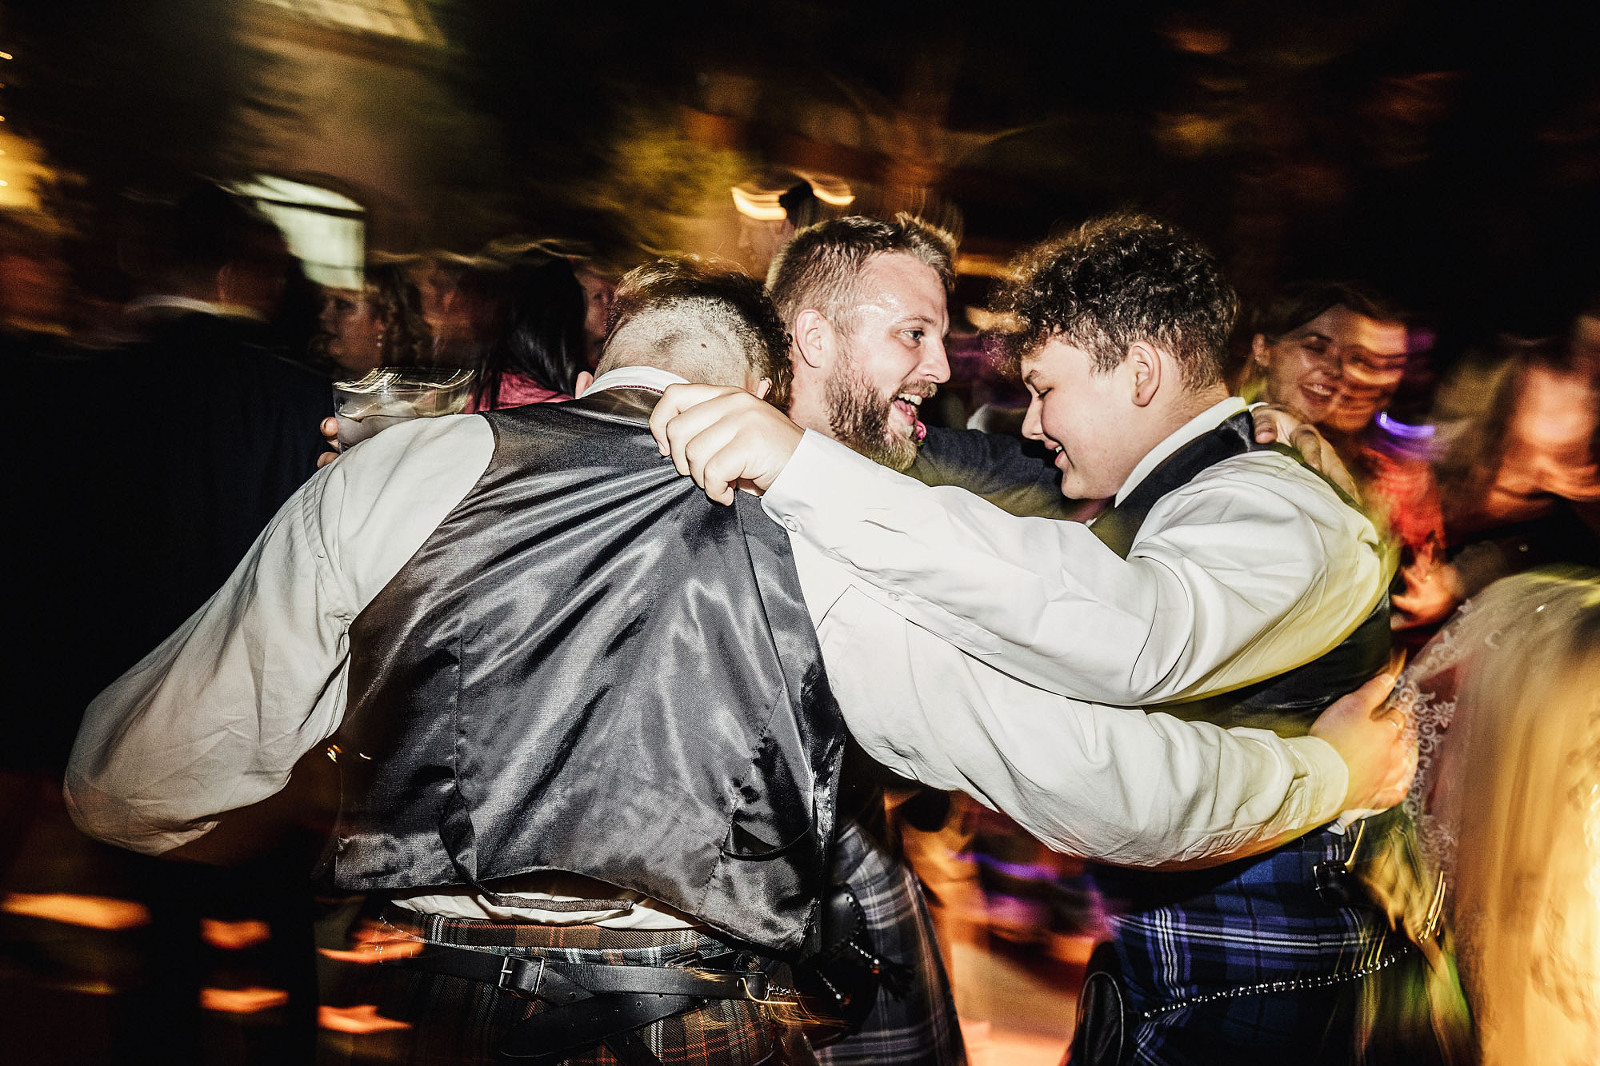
x,y
1448,151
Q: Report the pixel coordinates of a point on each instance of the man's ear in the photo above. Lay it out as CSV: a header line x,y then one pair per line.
x,y
814,338
1260,353
585,379
1145,367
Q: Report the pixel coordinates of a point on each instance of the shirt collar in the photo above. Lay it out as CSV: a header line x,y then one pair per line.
x,y
636,377
1200,424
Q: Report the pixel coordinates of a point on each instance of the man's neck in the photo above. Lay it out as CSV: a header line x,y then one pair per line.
x,y
635,377
1199,419
1193,403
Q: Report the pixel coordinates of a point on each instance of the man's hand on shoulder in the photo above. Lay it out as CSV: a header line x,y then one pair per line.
x,y
724,438
1373,737
1274,424
330,433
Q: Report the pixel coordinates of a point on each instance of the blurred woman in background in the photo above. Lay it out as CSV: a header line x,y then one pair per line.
x,y
1521,477
1506,803
380,325
539,344
1334,353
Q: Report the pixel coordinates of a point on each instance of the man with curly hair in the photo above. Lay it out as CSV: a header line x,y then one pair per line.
x,y
1228,583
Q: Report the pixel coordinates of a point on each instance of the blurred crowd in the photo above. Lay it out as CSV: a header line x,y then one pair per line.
x,y
173,381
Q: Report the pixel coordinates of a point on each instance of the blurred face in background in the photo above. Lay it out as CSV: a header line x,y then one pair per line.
x,y
33,289
1586,343
1550,447
352,331
598,292
760,241
1337,370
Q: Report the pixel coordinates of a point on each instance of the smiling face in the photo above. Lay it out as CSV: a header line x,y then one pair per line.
x,y
1083,415
1337,370
888,360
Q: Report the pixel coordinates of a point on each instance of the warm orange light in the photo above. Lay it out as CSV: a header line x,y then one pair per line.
x,y
234,936
370,951
985,266
763,207
242,1000
5,55
362,1019
94,912
374,943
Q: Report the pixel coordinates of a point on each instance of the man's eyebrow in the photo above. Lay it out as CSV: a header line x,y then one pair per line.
x,y
1027,378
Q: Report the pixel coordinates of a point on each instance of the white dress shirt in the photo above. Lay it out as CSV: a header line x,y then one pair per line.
x,y
1252,568
215,718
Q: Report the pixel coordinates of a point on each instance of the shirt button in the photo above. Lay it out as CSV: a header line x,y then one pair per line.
x,y
792,523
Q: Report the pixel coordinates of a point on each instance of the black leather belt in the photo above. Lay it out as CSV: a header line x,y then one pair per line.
x,y
586,1003
526,976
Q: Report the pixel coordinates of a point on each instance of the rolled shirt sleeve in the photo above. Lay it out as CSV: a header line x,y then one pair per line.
x,y
215,717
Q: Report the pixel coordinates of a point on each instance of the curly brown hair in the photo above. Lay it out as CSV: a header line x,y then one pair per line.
x,y
397,304
1117,280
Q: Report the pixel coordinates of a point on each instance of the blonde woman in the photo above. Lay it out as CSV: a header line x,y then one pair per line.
x,y
1506,703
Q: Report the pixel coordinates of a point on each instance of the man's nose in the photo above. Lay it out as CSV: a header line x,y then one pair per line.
x,y
1033,421
935,364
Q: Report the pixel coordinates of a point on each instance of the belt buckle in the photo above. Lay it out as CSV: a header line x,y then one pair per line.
x,y
513,973
755,987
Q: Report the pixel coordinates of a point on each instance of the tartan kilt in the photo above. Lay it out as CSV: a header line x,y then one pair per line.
x,y
919,1027
1259,921
459,1022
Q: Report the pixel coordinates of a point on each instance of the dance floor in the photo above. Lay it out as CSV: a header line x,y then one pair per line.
x,y
67,955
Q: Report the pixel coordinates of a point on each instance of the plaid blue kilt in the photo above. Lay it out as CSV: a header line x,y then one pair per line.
x,y
919,1027
1200,951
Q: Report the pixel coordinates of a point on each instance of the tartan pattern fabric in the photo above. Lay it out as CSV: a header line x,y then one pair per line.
x,y
917,1028
1252,922
457,1022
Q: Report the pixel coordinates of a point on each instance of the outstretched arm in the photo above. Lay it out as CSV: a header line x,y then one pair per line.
x,y
214,719
1114,784
1260,571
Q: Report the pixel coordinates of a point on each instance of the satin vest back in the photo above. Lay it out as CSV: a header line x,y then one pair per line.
x,y
590,667
1289,702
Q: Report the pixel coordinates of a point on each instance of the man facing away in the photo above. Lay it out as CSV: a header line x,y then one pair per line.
x,y
1229,582
586,743
471,610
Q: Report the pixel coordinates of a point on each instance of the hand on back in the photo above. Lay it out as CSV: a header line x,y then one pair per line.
x,y
724,437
